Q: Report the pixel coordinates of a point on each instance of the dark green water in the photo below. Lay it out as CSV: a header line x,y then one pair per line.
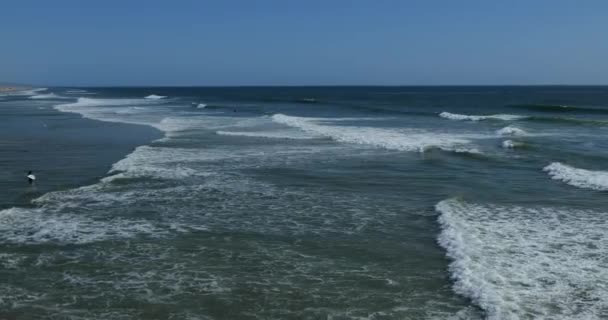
x,y
305,203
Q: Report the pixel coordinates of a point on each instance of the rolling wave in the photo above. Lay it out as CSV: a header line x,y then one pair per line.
x,y
92,102
510,144
413,140
504,117
511,131
48,96
587,179
560,108
155,97
267,134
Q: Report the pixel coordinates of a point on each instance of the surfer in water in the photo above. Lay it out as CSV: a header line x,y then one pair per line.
x,y
30,177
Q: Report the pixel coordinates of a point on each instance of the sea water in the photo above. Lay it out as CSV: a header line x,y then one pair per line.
x,y
306,203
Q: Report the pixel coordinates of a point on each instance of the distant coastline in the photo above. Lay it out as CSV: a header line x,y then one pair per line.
x,y
12,88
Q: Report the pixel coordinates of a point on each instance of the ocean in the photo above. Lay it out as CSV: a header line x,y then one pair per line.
x,y
304,203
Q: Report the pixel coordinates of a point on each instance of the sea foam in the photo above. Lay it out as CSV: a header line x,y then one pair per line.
x,y
527,263
155,97
403,140
505,117
47,96
511,131
92,102
276,134
41,225
508,144
587,179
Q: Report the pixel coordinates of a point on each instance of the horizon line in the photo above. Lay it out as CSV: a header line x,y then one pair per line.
x,y
319,85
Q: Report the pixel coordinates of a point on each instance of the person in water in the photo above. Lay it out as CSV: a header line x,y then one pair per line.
x,y
30,177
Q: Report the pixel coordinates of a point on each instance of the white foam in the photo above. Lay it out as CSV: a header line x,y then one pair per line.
x,y
201,106
279,134
133,111
151,112
155,97
47,96
20,225
92,102
510,144
511,131
159,162
505,117
527,263
596,180
350,119
403,140
178,124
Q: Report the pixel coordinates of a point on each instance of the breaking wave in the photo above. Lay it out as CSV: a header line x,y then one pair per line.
x,y
510,144
403,140
267,134
568,120
47,96
511,131
92,102
587,179
505,117
155,97
527,263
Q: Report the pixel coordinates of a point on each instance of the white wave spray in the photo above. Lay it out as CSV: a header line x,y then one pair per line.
x,y
527,263
505,117
404,140
596,180
155,97
511,131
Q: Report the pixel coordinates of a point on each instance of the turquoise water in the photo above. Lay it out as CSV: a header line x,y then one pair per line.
x,y
305,203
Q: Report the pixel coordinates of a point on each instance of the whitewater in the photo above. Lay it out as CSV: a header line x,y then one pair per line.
x,y
260,204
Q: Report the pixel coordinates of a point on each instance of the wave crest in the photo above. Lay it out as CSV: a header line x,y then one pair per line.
x,y
266,134
155,97
511,131
414,140
505,117
47,96
510,144
587,179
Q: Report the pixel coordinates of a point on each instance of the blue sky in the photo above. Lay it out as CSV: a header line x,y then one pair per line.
x,y
264,42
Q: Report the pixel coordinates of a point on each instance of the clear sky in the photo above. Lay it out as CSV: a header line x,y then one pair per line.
x,y
306,42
